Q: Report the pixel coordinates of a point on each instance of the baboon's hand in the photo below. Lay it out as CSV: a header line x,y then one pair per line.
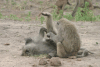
x,y
46,13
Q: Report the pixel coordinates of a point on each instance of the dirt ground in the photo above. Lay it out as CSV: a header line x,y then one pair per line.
x,y
14,33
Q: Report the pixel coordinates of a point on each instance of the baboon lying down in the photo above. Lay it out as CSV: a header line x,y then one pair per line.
x,y
38,46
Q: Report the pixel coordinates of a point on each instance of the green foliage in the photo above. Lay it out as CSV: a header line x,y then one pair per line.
x,y
14,17
28,17
1,15
96,42
42,19
68,16
13,3
84,14
41,2
40,56
55,15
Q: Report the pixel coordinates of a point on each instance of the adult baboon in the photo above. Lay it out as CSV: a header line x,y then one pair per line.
x,y
39,46
67,39
81,3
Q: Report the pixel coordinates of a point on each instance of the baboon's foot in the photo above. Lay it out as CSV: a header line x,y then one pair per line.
x,y
46,13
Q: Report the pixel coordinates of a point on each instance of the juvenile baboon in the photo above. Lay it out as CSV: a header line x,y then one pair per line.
x,y
67,39
38,46
81,3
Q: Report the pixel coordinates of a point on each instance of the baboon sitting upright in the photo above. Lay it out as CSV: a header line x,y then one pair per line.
x,y
67,39
38,46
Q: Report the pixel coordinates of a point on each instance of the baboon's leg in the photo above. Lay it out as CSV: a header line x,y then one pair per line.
x,y
60,50
80,3
75,9
49,22
68,2
63,6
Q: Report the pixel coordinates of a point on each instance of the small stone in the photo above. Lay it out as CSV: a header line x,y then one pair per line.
x,y
55,62
42,62
78,59
7,44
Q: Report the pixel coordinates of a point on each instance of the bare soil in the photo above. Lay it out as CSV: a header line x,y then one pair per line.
x,y
13,33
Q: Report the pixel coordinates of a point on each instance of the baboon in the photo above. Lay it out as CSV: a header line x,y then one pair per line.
x,y
81,3
67,39
61,4
38,46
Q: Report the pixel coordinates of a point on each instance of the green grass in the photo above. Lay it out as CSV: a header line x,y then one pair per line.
x,y
40,56
82,14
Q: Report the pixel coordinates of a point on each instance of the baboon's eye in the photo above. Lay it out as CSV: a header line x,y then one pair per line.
x,y
57,23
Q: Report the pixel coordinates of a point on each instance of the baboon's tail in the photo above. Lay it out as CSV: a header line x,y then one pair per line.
x,y
96,7
28,40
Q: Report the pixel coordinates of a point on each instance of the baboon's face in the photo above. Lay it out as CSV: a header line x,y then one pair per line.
x,y
28,51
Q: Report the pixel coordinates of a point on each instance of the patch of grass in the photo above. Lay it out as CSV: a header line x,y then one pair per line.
x,y
40,56
42,19
13,3
41,2
84,14
28,17
1,15
68,16
55,15
14,17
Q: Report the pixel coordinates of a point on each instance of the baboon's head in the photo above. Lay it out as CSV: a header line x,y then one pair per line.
x,y
61,24
28,50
